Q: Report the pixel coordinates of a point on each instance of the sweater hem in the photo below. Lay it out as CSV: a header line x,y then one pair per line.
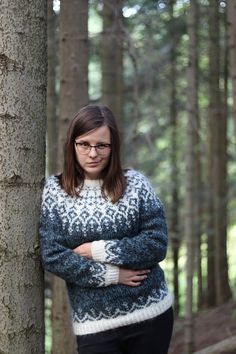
x,y
139,315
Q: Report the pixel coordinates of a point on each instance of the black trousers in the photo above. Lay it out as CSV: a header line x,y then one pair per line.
x,y
147,337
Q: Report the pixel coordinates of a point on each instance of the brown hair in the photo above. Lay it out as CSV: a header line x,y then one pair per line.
x,y
88,118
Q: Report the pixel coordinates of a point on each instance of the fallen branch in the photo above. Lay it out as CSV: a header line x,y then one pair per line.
x,y
227,346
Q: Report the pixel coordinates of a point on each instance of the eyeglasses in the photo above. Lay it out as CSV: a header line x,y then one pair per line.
x,y
84,148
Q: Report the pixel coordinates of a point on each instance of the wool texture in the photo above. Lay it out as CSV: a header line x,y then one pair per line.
x,y
131,233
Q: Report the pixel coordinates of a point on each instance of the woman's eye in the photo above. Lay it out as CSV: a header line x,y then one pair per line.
x,y
86,145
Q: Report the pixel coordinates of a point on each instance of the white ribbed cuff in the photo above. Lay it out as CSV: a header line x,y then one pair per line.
x,y
98,251
112,274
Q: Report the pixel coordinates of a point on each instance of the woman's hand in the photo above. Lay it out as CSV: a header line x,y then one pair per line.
x,y
126,276
84,250
132,277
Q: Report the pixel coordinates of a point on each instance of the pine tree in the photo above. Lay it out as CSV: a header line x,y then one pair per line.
x,y
22,129
73,95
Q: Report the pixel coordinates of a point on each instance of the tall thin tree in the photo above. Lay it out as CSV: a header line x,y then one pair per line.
x,y
112,57
197,182
191,187
223,292
22,129
73,64
52,121
73,95
174,215
214,112
218,163
231,6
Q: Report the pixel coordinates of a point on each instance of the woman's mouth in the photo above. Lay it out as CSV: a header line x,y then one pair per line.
x,y
93,164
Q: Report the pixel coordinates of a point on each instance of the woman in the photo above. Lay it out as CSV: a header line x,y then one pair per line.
x,y
103,230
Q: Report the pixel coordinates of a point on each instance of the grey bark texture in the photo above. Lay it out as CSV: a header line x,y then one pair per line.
x,y
22,151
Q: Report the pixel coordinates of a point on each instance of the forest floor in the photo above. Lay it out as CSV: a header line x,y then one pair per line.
x,y
210,327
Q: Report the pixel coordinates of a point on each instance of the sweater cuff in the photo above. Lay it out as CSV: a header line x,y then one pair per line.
x,y
112,275
98,251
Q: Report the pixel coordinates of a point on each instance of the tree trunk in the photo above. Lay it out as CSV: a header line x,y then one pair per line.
x,y
73,96
194,75
231,6
218,119
191,185
22,127
73,64
174,215
52,126
52,121
112,58
63,338
223,292
214,116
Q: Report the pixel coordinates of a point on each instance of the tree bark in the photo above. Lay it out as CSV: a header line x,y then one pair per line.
x,y
73,96
214,116
174,215
218,125
52,121
52,118
63,338
231,7
197,182
73,64
22,127
191,185
223,292
112,58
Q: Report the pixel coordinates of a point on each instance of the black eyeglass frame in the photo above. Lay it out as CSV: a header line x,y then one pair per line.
x,y
105,145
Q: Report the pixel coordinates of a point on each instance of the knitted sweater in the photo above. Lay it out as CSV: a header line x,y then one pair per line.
x,y
131,233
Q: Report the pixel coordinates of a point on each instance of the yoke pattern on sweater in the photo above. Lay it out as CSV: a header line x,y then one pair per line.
x,y
131,233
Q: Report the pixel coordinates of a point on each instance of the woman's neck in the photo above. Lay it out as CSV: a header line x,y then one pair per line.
x,y
92,182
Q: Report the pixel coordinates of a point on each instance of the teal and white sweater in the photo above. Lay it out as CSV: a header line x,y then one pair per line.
x,y
131,233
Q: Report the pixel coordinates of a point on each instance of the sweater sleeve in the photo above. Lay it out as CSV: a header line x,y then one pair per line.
x,y
58,258
144,249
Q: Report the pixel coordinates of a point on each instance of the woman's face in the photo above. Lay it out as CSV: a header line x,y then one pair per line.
x,y
93,160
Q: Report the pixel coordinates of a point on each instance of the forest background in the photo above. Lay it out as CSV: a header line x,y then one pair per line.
x,y
167,69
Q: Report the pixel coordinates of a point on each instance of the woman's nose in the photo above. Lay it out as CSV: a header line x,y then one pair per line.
x,y
93,152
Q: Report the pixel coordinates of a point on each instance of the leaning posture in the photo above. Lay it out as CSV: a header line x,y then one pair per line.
x,y
103,230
